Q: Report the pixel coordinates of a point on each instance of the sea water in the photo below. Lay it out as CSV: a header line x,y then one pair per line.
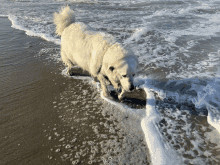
x,y
177,46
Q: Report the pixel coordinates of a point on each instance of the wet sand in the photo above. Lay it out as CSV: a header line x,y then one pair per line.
x,y
26,93
47,118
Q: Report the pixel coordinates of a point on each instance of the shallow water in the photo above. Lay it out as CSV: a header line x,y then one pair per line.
x,y
177,45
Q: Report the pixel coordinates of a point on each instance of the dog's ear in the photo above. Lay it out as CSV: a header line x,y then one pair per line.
x,y
112,68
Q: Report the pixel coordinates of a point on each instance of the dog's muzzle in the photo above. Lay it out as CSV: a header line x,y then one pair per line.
x,y
131,87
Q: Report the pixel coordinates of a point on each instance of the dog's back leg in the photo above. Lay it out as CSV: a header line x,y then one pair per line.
x,y
67,62
94,71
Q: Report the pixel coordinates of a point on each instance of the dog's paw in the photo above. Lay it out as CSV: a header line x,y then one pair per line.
x,y
120,96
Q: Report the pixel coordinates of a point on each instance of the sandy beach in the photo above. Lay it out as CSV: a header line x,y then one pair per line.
x,y
47,118
26,94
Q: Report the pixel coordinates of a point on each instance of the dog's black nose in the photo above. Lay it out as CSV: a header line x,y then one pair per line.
x,y
131,87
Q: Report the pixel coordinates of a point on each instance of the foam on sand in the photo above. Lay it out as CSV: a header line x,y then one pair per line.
x,y
161,153
213,121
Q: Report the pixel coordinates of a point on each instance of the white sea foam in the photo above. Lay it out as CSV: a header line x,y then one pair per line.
x,y
207,26
161,153
3,16
208,23
16,25
176,118
137,35
213,120
208,96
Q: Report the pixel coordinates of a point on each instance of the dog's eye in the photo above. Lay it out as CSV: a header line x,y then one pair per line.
x,y
133,74
124,76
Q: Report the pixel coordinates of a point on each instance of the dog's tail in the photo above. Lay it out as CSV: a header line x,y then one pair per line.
x,y
64,18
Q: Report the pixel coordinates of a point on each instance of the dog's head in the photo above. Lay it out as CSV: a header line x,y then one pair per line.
x,y
123,72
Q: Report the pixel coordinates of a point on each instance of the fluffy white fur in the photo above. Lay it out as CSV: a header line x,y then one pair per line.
x,y
96,52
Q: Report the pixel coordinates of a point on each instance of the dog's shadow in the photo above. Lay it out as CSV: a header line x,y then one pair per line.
x,y
135,99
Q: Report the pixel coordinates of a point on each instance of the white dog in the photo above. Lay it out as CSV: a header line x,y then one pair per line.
x,y
96,52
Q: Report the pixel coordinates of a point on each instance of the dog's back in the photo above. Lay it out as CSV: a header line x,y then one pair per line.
x,y
79,42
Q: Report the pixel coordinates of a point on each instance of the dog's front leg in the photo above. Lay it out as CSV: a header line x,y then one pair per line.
x,y
122,94
103,85
114,83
